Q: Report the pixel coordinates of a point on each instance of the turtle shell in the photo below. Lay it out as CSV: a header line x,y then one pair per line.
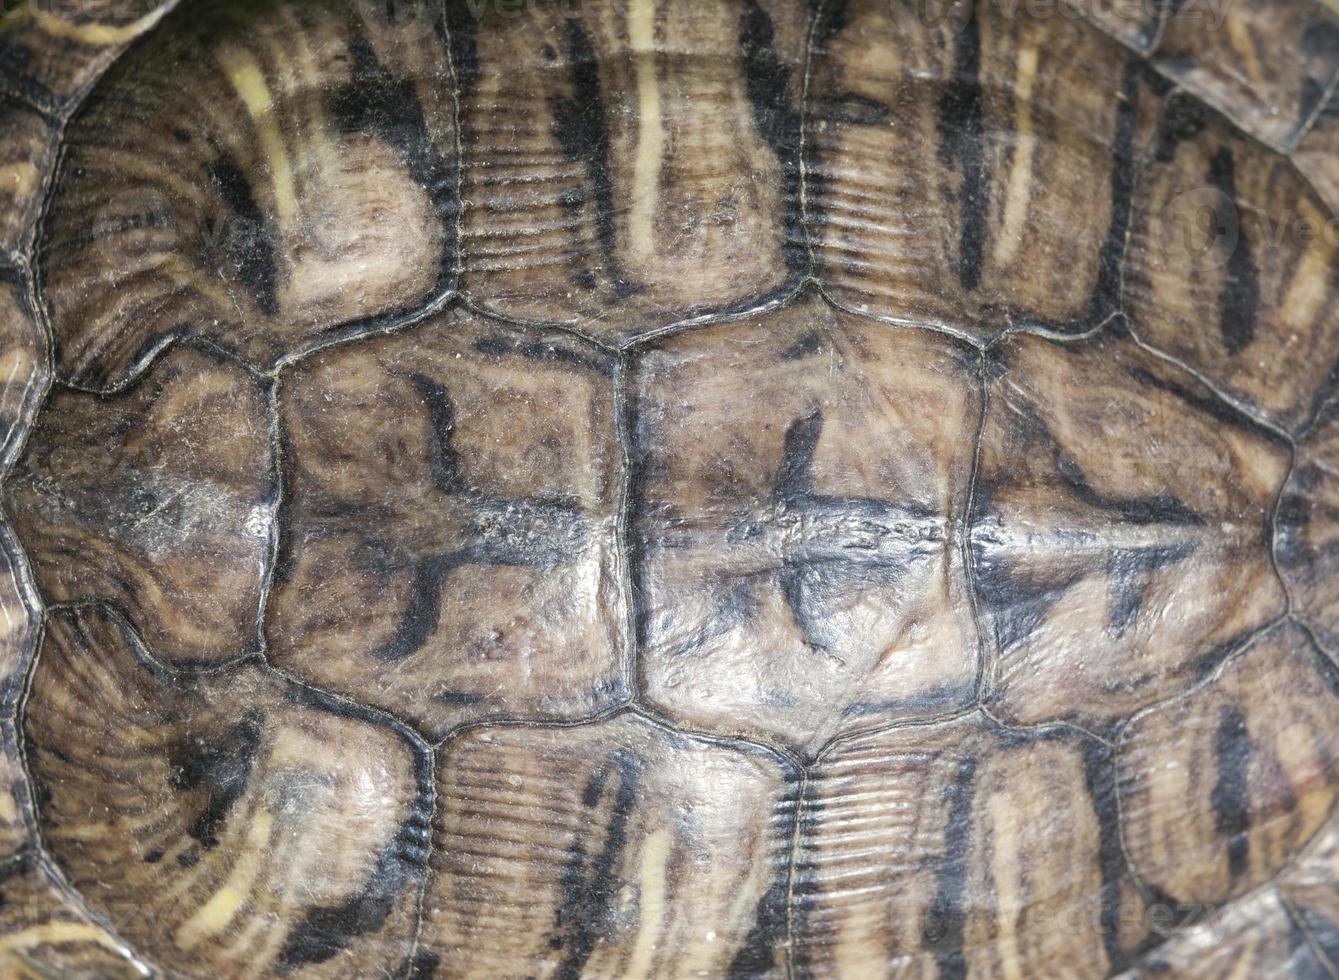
x,y
669,488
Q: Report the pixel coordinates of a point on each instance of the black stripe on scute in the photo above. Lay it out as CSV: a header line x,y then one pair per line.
x,y
375,102
1295,512
1159,509
326,931
757,957
806,346
419,621
1107,293
218,765
287,472
794,478
1014,602
444,461
423,966
806,886
545,351
962,143
832,17
1231,799
767,81
1183,118
1239,298
1130,574
463,28
588,891
581,127
946,918
246,239
636,426
1100,774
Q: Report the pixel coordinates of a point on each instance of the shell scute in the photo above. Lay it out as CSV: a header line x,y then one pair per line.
x,y
800,569
449,529
1120,529
959,176
1311,889
25,159
1231,266
1222,789
318,188
625,166
1256,937
47,933
159,499
216,798
51,51
614,849
1000,857
1267,64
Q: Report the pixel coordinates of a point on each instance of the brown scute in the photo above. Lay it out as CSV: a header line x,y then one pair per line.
x,y
160,499
1267,63
51,51
48,932
1310,886
314,187
930,146
1257,937
1118,531
29,147
998,857
1222,787
217,801
751,489
628,165
448,547
800,573
1230,266
614,849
